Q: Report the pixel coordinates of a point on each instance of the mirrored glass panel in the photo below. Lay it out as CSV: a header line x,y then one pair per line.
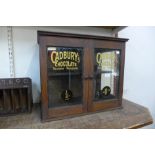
x,y
106,73
65,85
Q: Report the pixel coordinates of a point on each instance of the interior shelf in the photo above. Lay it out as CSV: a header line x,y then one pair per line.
x,y
103,72
64,74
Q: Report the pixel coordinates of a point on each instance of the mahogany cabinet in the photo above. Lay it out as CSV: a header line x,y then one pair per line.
x,y
80,73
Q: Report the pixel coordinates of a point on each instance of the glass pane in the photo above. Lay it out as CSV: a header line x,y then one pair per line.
x,y
106,71
65,86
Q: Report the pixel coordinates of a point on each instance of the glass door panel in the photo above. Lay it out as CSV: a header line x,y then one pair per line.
x,y
65,69
106,73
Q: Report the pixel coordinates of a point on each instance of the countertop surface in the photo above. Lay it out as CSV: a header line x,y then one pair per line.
x,y
131,115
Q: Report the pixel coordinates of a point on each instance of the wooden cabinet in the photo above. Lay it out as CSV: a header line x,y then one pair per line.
x,y
15,96
80,73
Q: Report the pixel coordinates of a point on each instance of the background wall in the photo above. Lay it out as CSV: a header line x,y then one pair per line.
x,y
139,77
26,51
4,55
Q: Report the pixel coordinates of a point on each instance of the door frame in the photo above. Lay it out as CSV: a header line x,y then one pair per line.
x,y
59,112
109,103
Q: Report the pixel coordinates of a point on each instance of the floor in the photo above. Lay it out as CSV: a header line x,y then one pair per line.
x,y
130,116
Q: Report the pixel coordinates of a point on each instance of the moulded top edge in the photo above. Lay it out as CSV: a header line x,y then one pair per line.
x,y
45,33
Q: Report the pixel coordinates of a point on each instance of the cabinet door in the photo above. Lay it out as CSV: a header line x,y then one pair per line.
x,y
64,88
106,70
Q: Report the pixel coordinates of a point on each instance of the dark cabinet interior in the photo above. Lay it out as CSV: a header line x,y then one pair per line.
x,y
62,80
80,74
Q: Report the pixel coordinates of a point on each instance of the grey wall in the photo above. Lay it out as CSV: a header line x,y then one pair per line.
x,y
139,77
